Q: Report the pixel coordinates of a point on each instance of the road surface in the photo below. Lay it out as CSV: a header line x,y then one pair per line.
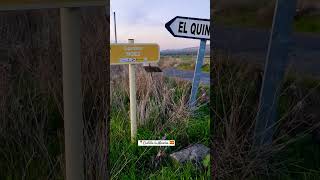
x,y
253,43
186,75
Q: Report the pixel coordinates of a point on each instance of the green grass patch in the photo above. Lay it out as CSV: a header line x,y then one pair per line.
x,y
243,19
190,67
206,68
307,23
186,66
129,161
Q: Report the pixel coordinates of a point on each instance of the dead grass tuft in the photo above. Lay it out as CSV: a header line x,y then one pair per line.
x,y
32,134
234,101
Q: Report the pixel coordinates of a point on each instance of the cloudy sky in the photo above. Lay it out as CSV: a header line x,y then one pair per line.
x,y
144,20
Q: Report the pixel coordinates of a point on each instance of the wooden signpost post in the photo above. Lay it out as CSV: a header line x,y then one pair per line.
x,y
70,39
194,28
132,54
276,63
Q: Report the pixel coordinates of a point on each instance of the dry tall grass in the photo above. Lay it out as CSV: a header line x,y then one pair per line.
x,y
234,99
31,136
162,112
158,98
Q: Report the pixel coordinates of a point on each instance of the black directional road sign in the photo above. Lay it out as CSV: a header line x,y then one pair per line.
x,y
187,27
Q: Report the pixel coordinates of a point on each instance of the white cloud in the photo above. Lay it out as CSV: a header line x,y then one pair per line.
x,y
144,20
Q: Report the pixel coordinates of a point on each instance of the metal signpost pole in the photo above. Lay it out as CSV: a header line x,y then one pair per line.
x,y
73,122
133,98
193,28
197,73
115,27
276,63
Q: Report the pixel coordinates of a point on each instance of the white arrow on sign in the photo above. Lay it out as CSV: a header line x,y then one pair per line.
x,y
187,27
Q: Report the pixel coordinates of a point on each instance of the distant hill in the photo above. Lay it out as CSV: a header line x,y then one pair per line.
x,y
184,51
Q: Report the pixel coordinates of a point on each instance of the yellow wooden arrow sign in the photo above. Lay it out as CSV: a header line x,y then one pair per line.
x,y
137,53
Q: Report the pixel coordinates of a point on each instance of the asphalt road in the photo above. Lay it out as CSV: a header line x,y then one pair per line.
x,y
186,75
253,43
238,39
